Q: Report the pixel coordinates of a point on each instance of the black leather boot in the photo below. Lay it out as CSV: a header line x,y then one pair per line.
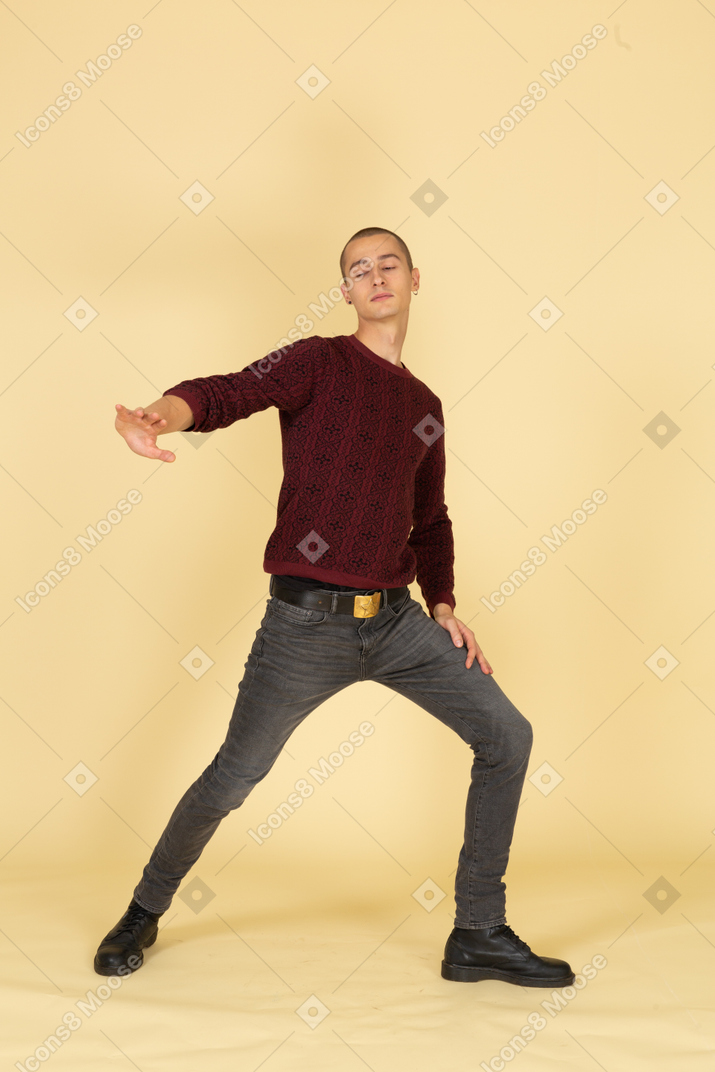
x,y
497,953
122,947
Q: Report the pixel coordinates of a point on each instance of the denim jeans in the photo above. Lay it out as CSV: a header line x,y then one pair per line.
x,y
301,657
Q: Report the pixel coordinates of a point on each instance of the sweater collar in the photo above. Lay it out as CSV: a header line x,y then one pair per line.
x,y
383,362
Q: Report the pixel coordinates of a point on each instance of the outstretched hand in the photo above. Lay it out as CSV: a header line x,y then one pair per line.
x,y
140,430
444,616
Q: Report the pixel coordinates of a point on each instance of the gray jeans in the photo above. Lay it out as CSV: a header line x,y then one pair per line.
x,y
301,657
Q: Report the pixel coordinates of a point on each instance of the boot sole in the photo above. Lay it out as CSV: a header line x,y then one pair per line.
x,y
101,970
460,974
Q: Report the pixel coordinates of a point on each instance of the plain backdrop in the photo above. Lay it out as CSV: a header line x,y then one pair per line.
x,y
285,128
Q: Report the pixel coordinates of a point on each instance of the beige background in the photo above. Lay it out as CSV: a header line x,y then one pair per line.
x,y
612,854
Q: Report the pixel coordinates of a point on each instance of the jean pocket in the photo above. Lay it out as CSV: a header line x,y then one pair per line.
x,y
289,612
399,605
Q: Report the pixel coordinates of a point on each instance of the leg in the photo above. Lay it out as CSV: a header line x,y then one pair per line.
x,y
417,658
287,675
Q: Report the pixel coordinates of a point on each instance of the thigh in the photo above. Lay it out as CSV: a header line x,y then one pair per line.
x,y
419,660
299,658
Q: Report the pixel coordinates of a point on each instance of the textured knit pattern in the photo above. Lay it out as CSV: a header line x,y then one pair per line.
x,y
362,498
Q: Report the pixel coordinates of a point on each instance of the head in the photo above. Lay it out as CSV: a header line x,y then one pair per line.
x,y
376,261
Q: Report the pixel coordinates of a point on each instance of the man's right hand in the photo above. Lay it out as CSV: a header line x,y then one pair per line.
x,y
140,430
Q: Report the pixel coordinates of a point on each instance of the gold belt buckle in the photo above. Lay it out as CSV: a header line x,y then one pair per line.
x,y
367,606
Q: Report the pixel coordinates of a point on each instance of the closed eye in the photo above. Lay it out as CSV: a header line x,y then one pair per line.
x,y
389,268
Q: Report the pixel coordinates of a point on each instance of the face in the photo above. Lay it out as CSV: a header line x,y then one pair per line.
x,y
377,266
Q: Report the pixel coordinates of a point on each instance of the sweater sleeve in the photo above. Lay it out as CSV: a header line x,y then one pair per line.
x,y
431,536
284,378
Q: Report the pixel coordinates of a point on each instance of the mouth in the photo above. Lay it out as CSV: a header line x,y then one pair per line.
x,y
385,294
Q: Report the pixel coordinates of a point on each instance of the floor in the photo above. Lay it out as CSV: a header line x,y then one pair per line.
x,y
332,969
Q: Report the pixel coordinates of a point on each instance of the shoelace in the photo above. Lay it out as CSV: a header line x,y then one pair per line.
x,y
135,918
506,930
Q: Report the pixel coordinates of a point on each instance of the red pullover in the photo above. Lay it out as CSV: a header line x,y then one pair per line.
x,y
362,499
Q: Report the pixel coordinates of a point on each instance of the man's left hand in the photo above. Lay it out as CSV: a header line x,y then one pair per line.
x,y
444,616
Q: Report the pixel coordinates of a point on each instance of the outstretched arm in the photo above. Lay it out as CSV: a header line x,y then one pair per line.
x,y
140,427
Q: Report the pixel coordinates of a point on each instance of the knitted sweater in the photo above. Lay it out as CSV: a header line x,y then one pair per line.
x,y
362,499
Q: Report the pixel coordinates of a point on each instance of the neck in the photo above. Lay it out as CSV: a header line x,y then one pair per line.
x,y
383,338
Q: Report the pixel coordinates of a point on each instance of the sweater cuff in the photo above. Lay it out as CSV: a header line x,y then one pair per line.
x,y
440,597
193,401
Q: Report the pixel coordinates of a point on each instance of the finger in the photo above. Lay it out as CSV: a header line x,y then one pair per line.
x,y
486,668
472,649
483,661
154,453
152,420
130,415
161,455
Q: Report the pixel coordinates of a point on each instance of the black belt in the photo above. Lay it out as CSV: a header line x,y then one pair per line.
x,y
360,606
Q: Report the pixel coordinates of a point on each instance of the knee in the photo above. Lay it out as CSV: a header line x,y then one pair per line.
x,y
520,734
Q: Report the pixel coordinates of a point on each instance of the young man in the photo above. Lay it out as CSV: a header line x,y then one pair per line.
x,y
361,513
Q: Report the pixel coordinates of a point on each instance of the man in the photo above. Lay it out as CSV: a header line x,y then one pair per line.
x,y
361,513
